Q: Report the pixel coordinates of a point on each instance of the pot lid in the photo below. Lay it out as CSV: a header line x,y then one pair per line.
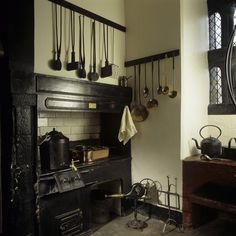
x,y
54,135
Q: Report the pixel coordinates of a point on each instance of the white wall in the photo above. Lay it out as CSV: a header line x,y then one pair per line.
x,y
153,27
194,72
227,124
113,10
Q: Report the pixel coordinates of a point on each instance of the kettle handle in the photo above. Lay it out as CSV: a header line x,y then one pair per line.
x,y
212,126
229,144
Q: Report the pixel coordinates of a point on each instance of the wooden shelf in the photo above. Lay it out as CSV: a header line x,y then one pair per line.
x,y
219,205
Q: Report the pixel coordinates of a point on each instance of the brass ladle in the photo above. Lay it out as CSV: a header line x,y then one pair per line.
x,y
173,93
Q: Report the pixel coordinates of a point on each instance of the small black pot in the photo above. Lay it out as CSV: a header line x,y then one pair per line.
x,y
54,151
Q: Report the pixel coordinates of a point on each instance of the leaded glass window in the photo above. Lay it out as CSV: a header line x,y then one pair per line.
x,y
215,40
215,86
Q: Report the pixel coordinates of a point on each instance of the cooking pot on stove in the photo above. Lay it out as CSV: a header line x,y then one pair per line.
x,y
209,146
54,151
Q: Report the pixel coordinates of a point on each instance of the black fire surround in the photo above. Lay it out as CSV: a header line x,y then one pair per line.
x,y
23,94
30,94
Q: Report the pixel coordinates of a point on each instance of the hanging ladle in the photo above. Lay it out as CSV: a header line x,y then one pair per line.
x,y
139,112
159,89
145,90
165,89
152,103
93,75
173,93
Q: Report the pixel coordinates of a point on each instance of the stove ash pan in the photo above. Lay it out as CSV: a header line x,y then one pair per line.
x,y
62,204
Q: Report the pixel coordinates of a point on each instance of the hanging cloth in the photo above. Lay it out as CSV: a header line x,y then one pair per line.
x,y
127,127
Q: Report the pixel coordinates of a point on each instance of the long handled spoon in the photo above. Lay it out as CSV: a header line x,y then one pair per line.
x,y
173,93
159,89
165,89
145,90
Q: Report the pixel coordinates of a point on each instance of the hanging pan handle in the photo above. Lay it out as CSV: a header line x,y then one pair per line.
x,y
230,141
211,126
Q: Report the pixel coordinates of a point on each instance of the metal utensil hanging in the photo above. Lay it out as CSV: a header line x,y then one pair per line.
x,y
139,112
145,90
106,71
56,61
165,89
152,101
73,65
159,89
93,75
173,93
81,69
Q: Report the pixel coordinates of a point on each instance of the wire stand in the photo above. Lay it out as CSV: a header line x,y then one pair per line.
x,y
170,220
135,223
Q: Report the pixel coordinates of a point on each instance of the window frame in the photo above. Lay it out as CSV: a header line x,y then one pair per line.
x,y
216,57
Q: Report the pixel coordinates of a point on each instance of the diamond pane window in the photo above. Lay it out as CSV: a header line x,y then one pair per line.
x,y
215,31
215,86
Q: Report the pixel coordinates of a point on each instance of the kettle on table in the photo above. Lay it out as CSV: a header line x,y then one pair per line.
x,y
210,146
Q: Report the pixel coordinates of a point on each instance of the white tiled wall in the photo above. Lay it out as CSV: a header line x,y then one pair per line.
x,y
74,125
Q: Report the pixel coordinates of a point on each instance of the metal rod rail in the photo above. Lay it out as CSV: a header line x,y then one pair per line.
x,y
155,57
89,14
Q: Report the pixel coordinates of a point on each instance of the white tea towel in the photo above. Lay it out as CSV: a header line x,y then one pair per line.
x,y
127,127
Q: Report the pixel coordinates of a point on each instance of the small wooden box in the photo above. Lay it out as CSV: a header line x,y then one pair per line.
x,y
96,153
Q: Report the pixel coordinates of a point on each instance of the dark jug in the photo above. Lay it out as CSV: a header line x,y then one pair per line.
x,y
210,146
54,151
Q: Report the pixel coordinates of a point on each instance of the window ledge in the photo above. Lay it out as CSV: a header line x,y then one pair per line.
x,y
221,109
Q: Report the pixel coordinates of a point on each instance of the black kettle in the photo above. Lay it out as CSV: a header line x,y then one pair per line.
x,y
210,146
54,151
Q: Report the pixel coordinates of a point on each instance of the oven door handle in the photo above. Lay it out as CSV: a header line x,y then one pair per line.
x,y
86,171
91,183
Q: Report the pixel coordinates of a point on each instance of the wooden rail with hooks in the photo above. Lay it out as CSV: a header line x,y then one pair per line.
x,y
89,14
156,57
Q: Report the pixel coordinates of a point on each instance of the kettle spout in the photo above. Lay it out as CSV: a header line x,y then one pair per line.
x,y
198,147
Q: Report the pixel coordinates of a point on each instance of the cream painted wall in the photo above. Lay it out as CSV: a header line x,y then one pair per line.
x,y
227,124
153,27
194,72
113,10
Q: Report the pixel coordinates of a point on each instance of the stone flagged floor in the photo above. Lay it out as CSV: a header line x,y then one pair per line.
x,y
118,227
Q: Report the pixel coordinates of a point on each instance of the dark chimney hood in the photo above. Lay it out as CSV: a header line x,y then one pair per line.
x,y
65,94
